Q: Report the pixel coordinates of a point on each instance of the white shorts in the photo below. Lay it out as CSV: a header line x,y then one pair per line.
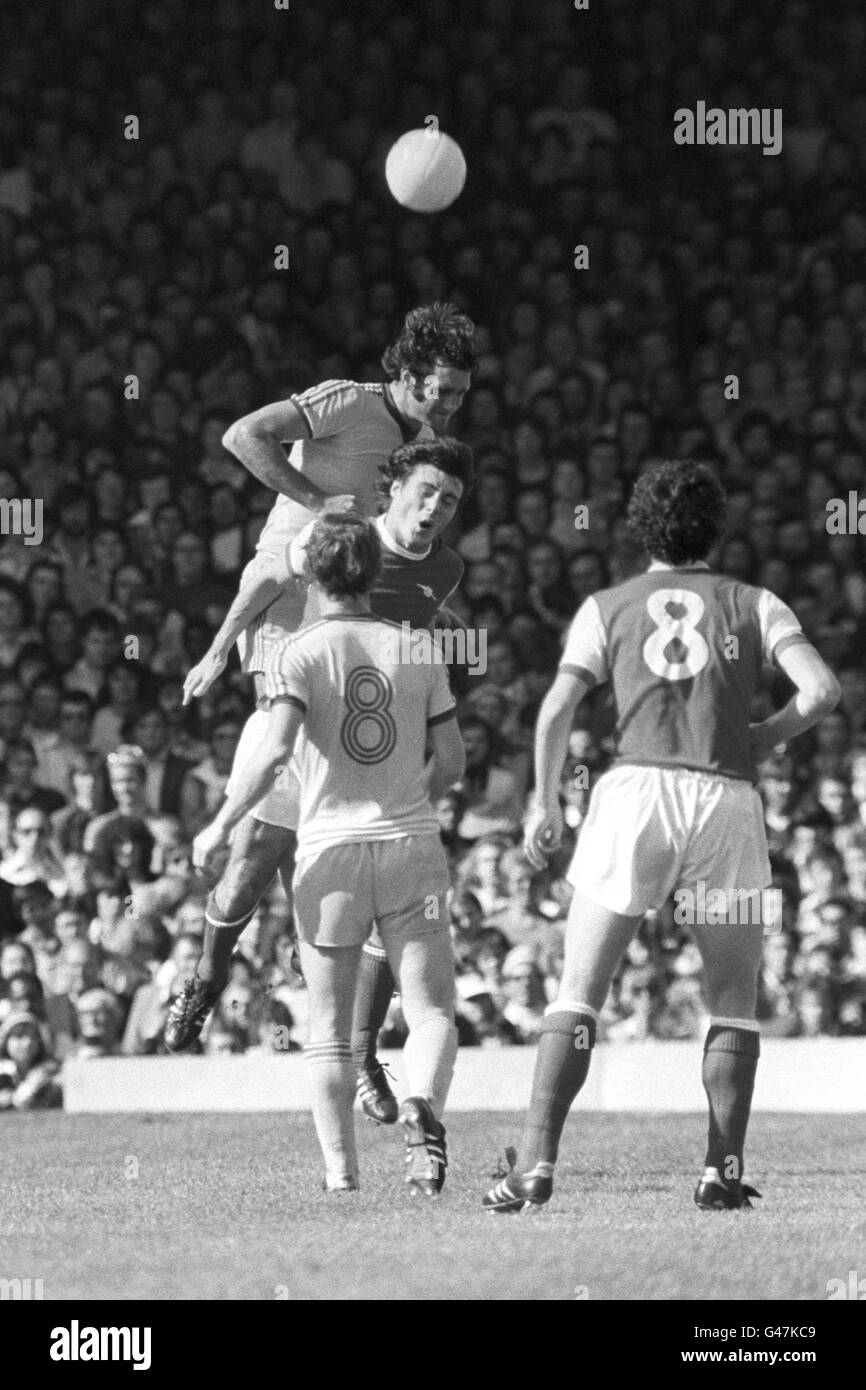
x,y
652,830
401,885
281,805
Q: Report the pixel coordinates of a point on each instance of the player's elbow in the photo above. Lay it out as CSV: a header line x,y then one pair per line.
x,y
239,436
821,695
827,694
232,439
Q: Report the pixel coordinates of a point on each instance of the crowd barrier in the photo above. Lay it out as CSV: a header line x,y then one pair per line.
x,y
805,1075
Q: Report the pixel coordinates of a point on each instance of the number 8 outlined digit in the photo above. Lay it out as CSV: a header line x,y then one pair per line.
x,y
368,732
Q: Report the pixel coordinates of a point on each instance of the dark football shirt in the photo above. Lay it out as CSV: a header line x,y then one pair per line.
x,y
412,588
684,651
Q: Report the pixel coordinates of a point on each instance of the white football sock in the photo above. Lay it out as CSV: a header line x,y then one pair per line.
x,y
429,1056
332,1083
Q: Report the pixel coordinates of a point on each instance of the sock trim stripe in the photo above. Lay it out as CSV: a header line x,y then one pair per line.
x,y
241,921
571,1006
749,1025
377,952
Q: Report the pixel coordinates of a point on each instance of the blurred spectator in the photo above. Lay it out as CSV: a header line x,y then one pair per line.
x,y
523,988
491,793
28,1072
32,857
100,1021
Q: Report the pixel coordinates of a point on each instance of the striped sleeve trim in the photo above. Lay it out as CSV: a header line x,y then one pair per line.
x,y
567,669
442,718
303,412
793,639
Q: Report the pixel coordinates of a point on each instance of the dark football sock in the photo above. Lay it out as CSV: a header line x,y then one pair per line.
x,y
220,939
372,998
731,1054
561,1067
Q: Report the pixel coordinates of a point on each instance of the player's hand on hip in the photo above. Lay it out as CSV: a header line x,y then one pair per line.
x,y
763,742
542,835
202,676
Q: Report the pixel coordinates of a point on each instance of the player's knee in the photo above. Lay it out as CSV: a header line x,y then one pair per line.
x,y
732,997
248,872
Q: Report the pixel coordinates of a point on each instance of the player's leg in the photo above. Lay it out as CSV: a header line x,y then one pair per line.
x,y
331,973
728,852
595,940
333,905
262,843
625,857
255,852
410,887
424,967
731,954
375,990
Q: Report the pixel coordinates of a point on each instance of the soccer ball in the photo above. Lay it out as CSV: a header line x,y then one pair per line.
x,y
425,170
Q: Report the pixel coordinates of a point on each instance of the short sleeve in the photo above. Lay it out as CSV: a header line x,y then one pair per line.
x,y
780,628
585,651
287,676
326,409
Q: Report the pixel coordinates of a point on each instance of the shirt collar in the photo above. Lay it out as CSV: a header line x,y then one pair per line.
x,y
396,549
661,565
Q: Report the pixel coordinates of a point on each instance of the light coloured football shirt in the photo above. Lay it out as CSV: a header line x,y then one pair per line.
x,y
368,696
353,427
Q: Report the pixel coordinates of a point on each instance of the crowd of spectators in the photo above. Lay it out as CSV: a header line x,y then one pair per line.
x,y
141,312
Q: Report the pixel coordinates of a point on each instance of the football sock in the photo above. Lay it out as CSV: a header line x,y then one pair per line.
x,y
220,938
561,1067
731,1054
429,1056
372,998
332,1086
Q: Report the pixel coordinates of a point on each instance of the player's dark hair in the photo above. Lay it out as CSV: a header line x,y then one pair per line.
x,y
677,511
445,453
344,554
433,333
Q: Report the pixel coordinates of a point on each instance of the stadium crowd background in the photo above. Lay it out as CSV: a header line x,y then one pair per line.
x,y
155,256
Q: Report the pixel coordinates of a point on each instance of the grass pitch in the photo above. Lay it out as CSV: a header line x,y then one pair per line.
x,y
230,1207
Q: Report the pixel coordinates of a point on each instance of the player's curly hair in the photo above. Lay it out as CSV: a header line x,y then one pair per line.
x,y
444,453
430,334
678,511
344,554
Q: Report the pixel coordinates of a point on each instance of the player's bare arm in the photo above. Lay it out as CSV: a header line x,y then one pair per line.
x,y
254,779
257,440
265,579
818,692
448,761
543,829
